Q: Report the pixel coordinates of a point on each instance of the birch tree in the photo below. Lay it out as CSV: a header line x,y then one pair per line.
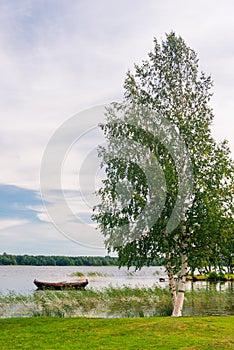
x,y
168,190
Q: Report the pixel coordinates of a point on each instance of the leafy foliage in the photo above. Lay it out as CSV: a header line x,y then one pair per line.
x,y
167,91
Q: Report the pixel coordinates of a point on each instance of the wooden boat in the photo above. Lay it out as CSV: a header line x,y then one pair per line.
x,y
61,285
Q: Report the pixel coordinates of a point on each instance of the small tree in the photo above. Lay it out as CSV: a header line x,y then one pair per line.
x,y
168,190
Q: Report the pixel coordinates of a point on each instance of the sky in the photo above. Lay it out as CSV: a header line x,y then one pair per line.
x,y
59,58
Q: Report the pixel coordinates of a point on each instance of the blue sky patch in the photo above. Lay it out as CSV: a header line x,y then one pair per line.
x,y
15,202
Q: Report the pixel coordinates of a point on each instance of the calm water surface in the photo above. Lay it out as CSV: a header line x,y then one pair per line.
x,y
20,278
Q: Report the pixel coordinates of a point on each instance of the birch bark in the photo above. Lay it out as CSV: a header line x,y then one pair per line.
x,y
179,302
172,285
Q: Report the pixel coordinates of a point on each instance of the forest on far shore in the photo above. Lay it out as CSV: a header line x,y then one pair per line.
x,y
43,260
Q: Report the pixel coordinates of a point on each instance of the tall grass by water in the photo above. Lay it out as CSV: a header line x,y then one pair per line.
x,y
88,274
114,302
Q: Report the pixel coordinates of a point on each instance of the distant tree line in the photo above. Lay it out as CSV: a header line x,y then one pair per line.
x,y
42,260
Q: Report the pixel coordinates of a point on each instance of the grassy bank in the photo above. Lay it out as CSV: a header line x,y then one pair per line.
x,y
139,333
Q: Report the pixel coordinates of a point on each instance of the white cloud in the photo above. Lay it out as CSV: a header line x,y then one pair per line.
x,y
7,223
44,238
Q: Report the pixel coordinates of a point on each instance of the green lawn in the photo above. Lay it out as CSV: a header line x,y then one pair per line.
x,y
138,333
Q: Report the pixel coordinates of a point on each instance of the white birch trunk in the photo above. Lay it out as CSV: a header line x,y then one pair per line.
x,y
172,285
178,305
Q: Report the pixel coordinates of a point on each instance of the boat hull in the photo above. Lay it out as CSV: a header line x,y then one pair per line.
x,y
61,285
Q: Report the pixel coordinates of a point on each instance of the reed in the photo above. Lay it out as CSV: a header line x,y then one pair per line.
x,y
89,274
77,274
114,302
96,274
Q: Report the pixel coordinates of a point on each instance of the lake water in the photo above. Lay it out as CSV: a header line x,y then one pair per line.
x,y
20,278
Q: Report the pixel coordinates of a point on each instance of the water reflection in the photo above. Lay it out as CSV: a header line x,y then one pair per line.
x,y
207,285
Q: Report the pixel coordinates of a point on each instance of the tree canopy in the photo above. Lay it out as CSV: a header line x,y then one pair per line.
x,y
168,190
